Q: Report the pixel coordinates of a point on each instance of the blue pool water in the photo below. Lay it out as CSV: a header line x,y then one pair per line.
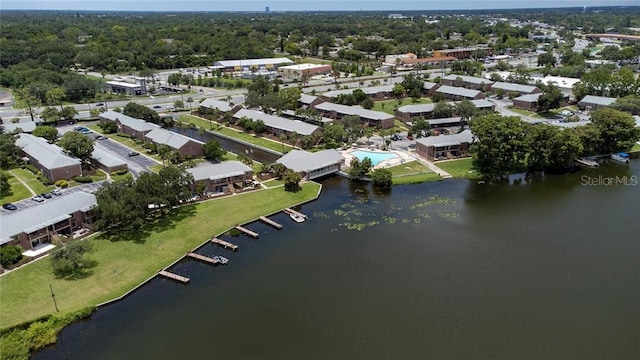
x,y
376,157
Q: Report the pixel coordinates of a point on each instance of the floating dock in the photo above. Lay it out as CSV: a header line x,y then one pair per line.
x,y
227,245
291,211
588,162
247,231
207,259
271,222
172,276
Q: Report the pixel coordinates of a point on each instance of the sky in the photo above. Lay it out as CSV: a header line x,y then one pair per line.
x,y
298,5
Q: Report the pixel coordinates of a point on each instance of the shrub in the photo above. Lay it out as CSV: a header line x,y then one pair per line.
x,y
44,180
62,183
83,179
10,255
121,171
31,168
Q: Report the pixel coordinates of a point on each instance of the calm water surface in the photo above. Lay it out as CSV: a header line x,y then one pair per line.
x,y
536,269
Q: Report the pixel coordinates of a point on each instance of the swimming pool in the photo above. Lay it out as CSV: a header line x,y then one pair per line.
x,y
376,157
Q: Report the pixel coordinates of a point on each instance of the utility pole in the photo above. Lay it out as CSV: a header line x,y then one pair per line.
x,y
53,296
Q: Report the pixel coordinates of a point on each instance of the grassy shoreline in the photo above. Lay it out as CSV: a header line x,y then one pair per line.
x,y
122,264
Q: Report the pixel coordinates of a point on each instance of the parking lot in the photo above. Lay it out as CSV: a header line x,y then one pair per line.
x,y
136,163
28,203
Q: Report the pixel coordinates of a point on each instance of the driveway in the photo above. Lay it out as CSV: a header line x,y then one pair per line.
x,y
136,164
28,203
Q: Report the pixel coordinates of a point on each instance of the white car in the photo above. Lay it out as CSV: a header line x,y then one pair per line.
x,y
56,192
37,198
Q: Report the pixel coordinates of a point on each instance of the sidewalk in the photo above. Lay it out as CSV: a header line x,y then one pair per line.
x,y
23,183
434,168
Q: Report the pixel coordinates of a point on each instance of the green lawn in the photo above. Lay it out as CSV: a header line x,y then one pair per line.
x,y
31,180
461,168
412,173
389,105
16,191
636,147
256,166
122,264
273,183
250,138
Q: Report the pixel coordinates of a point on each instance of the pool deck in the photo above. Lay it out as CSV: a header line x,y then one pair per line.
x,y
401,157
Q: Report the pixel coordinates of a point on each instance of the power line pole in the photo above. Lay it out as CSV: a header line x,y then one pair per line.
x,y
53,296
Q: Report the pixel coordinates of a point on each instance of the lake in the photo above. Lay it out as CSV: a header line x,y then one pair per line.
x,y
537,268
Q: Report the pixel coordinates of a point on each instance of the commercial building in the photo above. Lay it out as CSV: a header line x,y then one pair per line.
x,y
39,225
50,159
465,53
458,93
269,64
591,102
127,88
295,72
444,146
224,177
372,118
468,82
278,125
313,165
398,59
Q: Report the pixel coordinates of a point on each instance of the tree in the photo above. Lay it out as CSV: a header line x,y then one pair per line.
x,y
382,178
9,151
442,110
178,104
69,260
398,90
291,180
368,103
465,109
31,101
501,144
359,169
279,170
551,98
48,132
213,151
68,113
547,59
189,101
551,148
109,127
50,114
420,127
54,96
141,112
164,151
4,183
10,254
617,130
77,144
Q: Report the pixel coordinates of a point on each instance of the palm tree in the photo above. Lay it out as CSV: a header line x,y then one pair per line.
x,y
189,100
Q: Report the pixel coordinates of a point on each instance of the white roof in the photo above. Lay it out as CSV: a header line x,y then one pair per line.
x,y
367,90
528,97
454,90
169,138
354,110
468,79
637,119
216,104
514,87
123,84
417,108
210,171
26,126
41,215
447,140
307,99
253,62
599,100
106,158
278,122
300,160
303,66
128,121
48,155
482,103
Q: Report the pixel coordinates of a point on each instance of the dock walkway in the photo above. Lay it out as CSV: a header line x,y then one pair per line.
x,y
225,244
172,276
247,231
271,222
206,259
291,211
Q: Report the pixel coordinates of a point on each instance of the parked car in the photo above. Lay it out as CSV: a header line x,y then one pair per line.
x,y
9,206
133,153
396,137
100,104
157,107
46,195
37,198
56,192
100,137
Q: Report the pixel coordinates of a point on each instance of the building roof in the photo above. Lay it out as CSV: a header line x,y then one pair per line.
x,y
217,104
429,85
447,140
300,160
514,87
372,90
428,59
210,171
47,213
440,121
354,110
123,84
468,79
528,97
48,155
106,158
26,126
278,122
302,67
454,90
253,62
417,108
598,100
482,103
169,138
307,99
128,121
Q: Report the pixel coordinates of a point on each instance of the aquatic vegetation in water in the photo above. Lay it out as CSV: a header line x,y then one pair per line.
x,y
317,214
448,214
389,220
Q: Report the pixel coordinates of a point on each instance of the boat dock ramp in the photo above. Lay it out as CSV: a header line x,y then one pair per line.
x,y
207,259
172,276
271,222
247,231
587,162
225,244
291,211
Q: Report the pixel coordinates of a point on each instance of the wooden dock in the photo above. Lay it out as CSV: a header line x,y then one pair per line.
x,y
587,162
227,245
271,222
291,211
207,259
247,231
173,276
